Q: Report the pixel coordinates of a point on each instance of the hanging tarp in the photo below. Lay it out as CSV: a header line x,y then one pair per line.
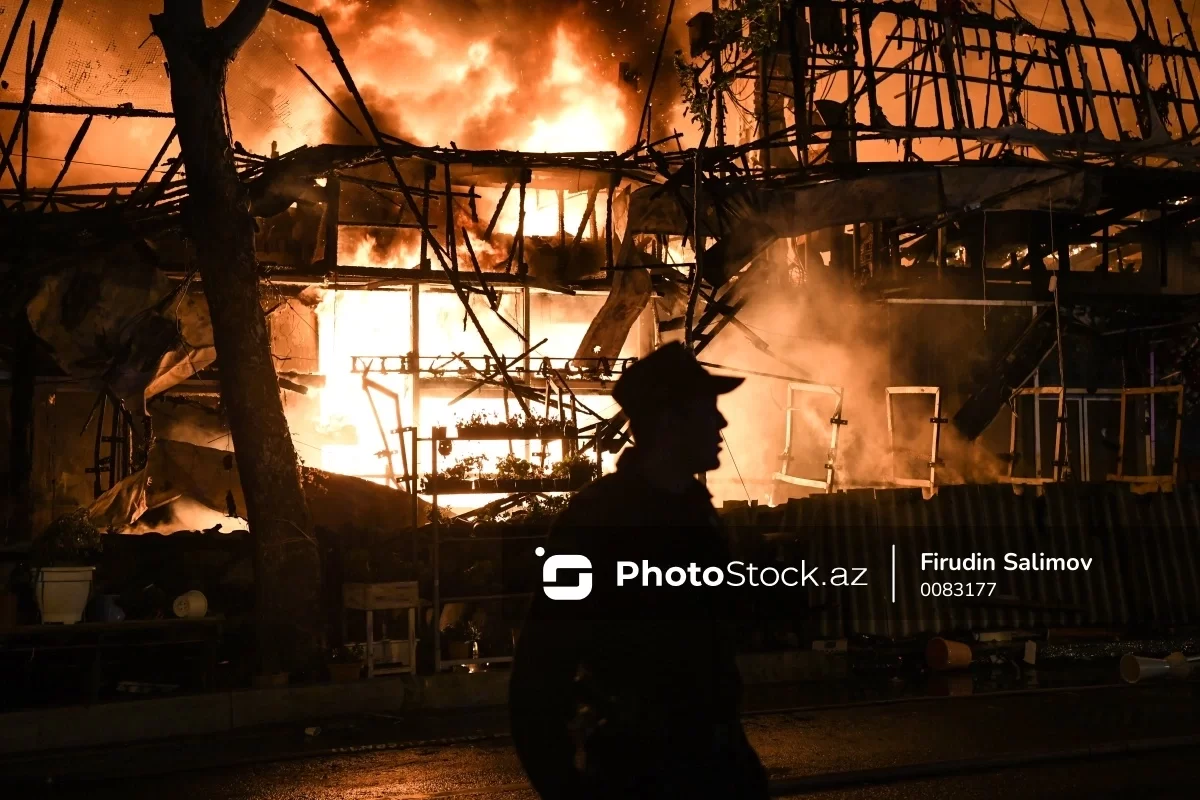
x,y
177,470
121,321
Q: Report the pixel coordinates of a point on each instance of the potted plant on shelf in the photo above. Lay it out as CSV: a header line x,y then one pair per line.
x,y
537,425
65,556
457,476
461,639
345,663
511,469
480,424
576,470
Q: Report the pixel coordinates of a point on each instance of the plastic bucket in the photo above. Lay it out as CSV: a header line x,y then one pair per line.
x,y
943,654
190,605
1136,668
62,593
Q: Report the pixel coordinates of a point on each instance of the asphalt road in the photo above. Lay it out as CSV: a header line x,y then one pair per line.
x,y
792,745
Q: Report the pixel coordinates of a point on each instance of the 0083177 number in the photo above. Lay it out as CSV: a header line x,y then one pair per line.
x,y
957,589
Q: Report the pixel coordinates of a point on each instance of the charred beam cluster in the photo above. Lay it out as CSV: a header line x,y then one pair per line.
x,y
965,147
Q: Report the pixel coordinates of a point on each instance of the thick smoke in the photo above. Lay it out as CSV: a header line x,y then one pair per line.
x,y
482,75
492,76
826,334
478,74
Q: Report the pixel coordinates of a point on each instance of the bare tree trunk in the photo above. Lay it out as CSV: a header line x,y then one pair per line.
x,y
218,220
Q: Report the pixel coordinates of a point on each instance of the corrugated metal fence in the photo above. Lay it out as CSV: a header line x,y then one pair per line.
x,y
1145,550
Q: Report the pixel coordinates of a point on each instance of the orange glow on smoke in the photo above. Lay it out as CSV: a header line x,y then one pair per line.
x,y
590,117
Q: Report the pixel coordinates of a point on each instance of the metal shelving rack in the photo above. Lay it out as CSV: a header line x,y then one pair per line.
x,y
463,376
569,435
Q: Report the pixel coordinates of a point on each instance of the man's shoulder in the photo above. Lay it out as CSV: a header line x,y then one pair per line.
x,y
601,491
595,513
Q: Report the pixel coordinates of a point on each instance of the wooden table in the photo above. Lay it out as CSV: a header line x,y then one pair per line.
x,y
372,597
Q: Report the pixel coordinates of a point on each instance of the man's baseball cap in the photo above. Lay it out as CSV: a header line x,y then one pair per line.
x,y
668,376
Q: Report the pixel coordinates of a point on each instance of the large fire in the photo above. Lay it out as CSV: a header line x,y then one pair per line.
x,y
358,323
535,80
578,109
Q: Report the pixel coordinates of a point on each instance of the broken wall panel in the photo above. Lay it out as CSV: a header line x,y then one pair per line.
x,y
609,329
122,322
176,470
1009,373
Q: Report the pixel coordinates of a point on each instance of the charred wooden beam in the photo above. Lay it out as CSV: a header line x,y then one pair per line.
x,y
337,109
30,80
1010,372
519,241
449,204
491,226
70,157
31,84
645,120
1001,25
796,28
392,188
488,291
1112,101
1058,98
88,111
426,230
1191,37
935,76
608,226
866,18
12,35
698,241
1083,70
162,152
588,214
388,225
333,203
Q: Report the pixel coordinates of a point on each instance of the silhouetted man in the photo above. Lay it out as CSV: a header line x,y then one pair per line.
x,y
633,692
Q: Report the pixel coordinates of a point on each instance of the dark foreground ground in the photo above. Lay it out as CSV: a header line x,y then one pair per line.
x,y
798,747
454,773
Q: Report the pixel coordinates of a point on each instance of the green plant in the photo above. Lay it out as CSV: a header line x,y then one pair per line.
x,y
480,419
536,509
347,654
743,32
70,541
535,423
512,467
465,467
576,467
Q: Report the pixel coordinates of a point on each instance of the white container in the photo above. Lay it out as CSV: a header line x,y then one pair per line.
x,y
1136,668
62,593
190,605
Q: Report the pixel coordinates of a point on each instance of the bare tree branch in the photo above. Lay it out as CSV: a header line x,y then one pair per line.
x,y
241,22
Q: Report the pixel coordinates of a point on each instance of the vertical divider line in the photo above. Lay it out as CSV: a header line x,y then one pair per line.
x,y
893,573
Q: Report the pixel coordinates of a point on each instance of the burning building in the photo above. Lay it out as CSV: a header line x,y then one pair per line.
x,y
946,246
